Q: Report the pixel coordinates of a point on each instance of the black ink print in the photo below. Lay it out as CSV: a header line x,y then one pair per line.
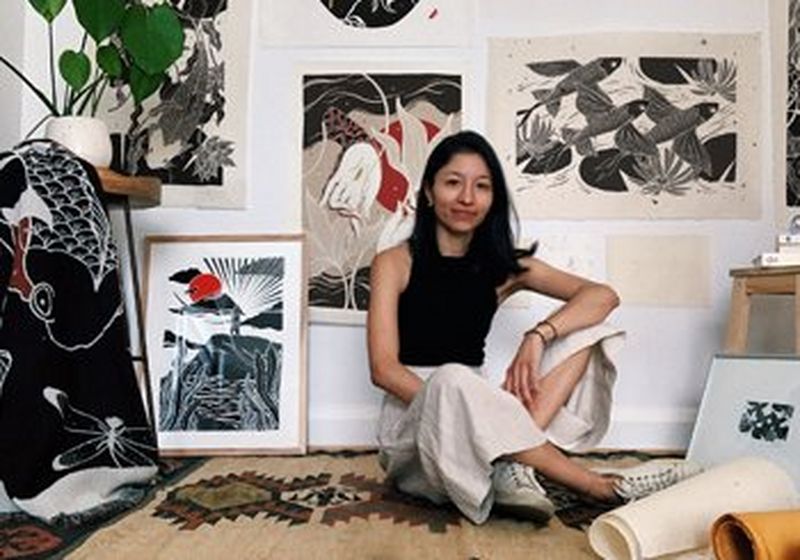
x,y
766,421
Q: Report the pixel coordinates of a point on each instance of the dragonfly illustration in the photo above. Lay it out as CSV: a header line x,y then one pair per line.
x,y
110,435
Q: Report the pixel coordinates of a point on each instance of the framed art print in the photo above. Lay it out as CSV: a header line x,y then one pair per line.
x,y
226,339
751,406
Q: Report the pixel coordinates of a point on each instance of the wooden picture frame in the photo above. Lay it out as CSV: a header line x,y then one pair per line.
x,y
750,406
226,337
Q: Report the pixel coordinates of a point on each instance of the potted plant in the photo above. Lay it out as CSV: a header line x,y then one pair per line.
x,y
126,45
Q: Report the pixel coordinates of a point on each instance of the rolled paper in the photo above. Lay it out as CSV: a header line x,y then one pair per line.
x,y
680,517
763,535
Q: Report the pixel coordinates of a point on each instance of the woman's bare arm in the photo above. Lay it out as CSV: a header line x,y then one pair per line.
x,y
586,303
389,276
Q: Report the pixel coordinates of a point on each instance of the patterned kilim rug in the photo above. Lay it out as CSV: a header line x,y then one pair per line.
x,y
321,505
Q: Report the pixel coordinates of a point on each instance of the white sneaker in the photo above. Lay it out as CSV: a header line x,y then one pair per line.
x,y
650,477
518,494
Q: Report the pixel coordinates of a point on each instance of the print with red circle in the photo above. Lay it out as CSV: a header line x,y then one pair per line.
x,y
204,286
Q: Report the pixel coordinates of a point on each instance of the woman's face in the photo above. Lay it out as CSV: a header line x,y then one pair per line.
x,y
462,193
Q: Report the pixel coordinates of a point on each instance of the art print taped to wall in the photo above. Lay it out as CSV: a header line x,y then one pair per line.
x,y
391,23
366,137
628,125
792,194
785,57
192,132
226,343
751,406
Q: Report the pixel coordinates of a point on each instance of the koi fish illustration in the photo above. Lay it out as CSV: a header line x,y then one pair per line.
x,y
28,211
56,212
577,75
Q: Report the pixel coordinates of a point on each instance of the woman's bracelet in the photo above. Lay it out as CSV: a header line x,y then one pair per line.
x,y
535,330
551,326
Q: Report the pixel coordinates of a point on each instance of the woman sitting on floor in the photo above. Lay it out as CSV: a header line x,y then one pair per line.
x,y
445,433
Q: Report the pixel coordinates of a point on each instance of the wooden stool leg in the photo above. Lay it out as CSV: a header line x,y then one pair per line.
x,y
736,335
797,314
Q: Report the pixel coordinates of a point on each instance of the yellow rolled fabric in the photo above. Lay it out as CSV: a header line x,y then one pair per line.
x,y
770,535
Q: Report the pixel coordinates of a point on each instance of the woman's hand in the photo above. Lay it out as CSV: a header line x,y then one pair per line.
x,y
522,376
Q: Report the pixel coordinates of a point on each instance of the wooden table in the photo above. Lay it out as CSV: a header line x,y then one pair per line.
x,y
767,281
144,190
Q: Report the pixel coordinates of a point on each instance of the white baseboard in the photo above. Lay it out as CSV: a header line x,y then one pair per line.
x,y
340,426
631,427
650,428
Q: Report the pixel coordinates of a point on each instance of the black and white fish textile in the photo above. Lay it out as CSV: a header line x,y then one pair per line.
x,y
74,439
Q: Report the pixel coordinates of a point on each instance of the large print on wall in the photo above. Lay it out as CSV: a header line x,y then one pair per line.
x,y
365,139
365,22
225,334
192,132
628,125
785,57
791,197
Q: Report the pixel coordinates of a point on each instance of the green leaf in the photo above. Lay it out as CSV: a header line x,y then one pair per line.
x,y
99,17
48,8
153,37
75,68
109,61
144,85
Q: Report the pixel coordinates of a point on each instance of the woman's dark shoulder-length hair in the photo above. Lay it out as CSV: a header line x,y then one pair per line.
x,y
493,242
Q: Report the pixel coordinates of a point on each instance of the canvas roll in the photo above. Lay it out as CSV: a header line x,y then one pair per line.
x,y
680,517
763,535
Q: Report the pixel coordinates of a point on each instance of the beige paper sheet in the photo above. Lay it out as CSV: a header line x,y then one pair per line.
x,y
660,270
680,518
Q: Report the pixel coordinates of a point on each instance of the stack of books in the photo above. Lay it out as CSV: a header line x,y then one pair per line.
x,y
787,252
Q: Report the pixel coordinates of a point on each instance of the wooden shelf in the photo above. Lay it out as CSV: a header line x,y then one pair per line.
x,y
765,271
143,191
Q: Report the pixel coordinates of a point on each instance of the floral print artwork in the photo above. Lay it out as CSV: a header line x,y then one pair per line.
x,y
366,139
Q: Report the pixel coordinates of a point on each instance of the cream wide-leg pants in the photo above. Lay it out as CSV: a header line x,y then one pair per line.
x,y
441,446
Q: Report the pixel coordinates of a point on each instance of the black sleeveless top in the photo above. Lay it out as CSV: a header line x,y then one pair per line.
x,y
445,312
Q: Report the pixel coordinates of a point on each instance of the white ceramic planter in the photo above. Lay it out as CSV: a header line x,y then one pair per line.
x,y
87,137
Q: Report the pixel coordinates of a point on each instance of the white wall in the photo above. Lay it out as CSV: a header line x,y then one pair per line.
x,y
663,368
11,16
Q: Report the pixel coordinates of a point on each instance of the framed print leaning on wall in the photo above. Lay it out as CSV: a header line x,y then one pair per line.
x,y
226,339
751,406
